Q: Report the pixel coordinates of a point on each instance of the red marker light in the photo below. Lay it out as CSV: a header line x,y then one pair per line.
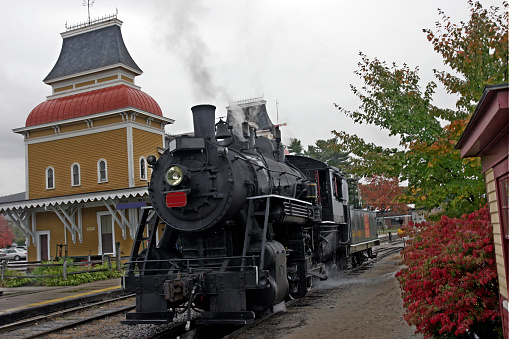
x,y
176,199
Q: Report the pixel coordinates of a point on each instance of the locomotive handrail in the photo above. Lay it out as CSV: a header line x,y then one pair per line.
x,y
202,258
279,197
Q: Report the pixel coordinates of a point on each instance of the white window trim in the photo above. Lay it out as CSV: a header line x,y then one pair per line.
x,y
47,169
99,232
99,171
72,174
146,168
39,247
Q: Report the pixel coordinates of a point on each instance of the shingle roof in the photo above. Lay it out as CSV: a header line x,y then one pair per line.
x,y
92,50
87,103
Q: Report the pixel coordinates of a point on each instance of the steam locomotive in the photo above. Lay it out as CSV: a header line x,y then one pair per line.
x,y
245,226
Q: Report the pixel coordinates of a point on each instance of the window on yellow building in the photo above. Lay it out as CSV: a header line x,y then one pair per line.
x,y
75,174
143,168
102,171
50,178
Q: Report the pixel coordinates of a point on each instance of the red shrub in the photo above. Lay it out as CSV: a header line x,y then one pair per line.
x,y
449,286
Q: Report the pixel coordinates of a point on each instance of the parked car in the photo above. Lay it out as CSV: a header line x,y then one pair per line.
x,y
13,254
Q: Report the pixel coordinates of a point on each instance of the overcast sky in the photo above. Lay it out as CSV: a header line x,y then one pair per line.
x,y
301,54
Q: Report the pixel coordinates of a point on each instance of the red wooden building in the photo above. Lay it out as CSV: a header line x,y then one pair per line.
x,y
487,136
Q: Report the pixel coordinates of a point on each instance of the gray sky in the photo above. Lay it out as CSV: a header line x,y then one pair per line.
x,y
300,53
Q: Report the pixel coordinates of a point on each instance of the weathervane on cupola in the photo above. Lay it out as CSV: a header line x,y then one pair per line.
x,y
88,3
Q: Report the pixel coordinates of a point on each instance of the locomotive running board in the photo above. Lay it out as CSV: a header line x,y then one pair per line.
x,y
231,318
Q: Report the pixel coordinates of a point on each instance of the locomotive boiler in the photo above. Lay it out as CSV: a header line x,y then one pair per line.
x,y
245,226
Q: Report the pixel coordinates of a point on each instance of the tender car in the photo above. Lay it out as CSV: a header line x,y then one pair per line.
x,y
13,254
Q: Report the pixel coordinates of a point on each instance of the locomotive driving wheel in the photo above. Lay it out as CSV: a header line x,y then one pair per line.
x,y
300,283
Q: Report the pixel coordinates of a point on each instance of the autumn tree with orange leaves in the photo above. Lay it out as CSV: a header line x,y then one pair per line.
x,y
382,194
394,99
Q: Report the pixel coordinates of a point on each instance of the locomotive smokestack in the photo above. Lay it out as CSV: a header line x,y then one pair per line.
x,y
203,121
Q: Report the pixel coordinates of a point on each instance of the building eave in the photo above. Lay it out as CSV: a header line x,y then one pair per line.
x,y
73,199
92,71
474,122
93,116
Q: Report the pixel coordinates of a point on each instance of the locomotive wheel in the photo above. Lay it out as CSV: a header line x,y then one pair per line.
x,y
309,283
302,283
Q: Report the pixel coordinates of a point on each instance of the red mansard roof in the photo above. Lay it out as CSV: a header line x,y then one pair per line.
x,y
87,103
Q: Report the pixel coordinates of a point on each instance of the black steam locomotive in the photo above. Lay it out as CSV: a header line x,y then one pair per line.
x,y
245,226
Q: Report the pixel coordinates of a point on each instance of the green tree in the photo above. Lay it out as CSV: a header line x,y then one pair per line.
x,y
328,152
393,99
295,147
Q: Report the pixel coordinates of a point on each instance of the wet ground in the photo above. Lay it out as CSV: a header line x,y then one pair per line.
x,y
366,304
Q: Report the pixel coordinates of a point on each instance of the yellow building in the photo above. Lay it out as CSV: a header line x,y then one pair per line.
x,y
85,149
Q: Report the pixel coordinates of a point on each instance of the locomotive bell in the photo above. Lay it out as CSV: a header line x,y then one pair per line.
x,y
223,133
222,130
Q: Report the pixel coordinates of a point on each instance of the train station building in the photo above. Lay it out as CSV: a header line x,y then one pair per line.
x,y
86,149
487,136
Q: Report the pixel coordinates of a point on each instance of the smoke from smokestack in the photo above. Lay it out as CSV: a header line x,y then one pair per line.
x,y
184,40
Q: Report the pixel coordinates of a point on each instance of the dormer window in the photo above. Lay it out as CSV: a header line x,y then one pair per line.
x,y
75,174
102,171
50,178
143,168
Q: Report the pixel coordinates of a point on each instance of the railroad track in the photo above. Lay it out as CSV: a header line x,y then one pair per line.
x,y
71,318
53,322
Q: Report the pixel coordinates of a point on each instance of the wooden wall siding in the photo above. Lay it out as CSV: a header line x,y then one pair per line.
x,y
85,150
73,127
127,79
497,236
48,221
108,121
90,245
42,133
144,144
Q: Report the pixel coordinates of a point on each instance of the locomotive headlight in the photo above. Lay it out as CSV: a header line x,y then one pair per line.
x,y
175,175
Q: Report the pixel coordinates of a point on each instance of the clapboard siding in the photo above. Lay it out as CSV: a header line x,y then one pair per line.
x,y
86,150
144,144
48,221
497,236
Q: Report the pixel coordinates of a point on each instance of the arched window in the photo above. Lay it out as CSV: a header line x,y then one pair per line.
x,y
75,174
50,178
102,171
143,168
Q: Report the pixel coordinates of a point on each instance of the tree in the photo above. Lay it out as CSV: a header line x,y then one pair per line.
x,y
393,99
295,147
6,235
382,194
449,285
328,152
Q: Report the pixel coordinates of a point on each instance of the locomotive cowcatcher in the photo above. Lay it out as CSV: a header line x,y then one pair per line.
x,y
245,226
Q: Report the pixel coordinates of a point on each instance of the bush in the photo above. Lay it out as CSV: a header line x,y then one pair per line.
x,y
72,279
14,282
449,286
